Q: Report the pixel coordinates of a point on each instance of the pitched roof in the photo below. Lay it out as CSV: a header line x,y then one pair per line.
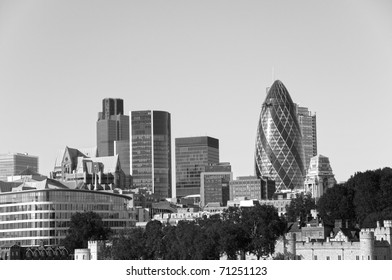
x,y
31,185
110,164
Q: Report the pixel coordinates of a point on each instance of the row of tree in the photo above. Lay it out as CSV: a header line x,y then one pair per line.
x,y
237,232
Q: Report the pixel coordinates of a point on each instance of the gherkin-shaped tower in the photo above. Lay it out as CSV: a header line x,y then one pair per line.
x,y
279,150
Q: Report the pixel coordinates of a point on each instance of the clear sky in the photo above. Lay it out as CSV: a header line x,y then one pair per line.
x,y
208,63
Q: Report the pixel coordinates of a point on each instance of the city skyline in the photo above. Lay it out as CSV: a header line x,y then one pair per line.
x,y
207,64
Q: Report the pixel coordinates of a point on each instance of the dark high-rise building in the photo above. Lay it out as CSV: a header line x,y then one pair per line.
x,y
193,154
279,150
112,125
214,184
307,122
151,151
113,133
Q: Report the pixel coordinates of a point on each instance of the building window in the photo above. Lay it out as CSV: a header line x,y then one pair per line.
x,y
339,257
315,257
357,258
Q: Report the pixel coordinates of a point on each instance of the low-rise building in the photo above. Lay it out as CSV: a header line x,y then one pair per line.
x,y
252,187
340,244
79,170
34,213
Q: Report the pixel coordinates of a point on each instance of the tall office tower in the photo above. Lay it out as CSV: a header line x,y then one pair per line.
x,y
151,151
214,184
279,151
319,177
14,163
113,133
307,122
193,154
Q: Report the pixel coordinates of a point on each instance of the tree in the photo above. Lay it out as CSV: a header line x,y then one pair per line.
x,y
299,208
365,198
337,203
128,245
234,238
264,227
187,232
207,244
84,227
373,193
170,248
366,186
153,238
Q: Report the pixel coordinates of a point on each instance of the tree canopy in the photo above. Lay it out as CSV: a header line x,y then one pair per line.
x,y
300,207
237,231
365,198
84,226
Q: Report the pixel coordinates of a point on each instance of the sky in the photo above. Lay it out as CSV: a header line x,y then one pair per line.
x,y
208,63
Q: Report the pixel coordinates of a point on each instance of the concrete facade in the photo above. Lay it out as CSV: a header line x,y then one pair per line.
x,y
319,176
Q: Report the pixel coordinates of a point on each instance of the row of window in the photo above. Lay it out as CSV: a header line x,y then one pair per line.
x,y
57,216
51,224
28,233
60,196
76,207
41,224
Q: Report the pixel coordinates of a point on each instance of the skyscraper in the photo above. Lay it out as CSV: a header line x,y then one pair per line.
x,y
307,122
193,154
113,133
14,163
279,151
151,151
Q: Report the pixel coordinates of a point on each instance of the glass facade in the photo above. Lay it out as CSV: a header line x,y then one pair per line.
x,y
151,151
307,122
249,187
43,216
193,154
13,164
279,151
215,187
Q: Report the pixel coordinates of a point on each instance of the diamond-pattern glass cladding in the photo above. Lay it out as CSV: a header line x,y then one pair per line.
x,y
279,151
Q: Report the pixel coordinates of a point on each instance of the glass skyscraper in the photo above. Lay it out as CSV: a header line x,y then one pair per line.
x,y
193,155
279,151
307,122
151,151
